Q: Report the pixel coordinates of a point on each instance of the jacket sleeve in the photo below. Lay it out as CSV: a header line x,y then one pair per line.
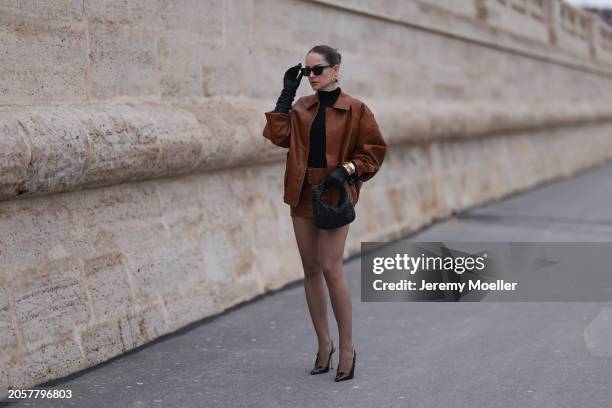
x,y
371,147
278,128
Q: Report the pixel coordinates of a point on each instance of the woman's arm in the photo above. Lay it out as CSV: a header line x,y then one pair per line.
x,y
371,146
278,121
278,128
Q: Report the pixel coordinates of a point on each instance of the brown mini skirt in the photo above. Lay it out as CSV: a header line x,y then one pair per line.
x,y
312,179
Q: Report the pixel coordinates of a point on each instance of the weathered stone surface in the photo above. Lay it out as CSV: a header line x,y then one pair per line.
x,y
43,59
188,306
106,277
48,300
121,61
56,149
47,361
144,324
100,343
8,337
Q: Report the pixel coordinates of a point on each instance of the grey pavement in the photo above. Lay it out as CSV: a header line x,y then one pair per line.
x,y
409,354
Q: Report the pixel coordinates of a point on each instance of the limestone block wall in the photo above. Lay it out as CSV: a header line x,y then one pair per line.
x,y
138,195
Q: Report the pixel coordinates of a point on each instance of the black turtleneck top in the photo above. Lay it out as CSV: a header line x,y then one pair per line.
x,y
316,154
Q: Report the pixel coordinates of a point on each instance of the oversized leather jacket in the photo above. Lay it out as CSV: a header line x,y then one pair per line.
x,y
351,133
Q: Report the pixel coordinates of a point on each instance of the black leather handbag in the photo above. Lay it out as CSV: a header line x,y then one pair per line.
x,y
329,216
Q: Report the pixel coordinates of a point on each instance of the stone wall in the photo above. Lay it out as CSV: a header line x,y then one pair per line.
x,y
138,195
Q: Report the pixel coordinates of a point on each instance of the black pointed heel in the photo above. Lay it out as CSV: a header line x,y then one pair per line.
x,y
325,368
340,376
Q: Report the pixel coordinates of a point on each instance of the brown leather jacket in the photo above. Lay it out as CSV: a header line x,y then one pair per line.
x,y
351,134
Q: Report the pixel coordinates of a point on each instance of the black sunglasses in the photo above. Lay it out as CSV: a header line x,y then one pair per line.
x,y
318,70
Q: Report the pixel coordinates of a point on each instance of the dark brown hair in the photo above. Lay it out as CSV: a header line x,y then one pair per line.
x,y
331,55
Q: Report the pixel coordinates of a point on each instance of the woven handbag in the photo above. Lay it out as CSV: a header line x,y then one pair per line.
x,y
332,216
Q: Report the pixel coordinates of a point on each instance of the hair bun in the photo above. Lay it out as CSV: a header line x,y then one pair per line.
x,y
331,55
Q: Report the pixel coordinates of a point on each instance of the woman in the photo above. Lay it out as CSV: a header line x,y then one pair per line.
x,y
328,134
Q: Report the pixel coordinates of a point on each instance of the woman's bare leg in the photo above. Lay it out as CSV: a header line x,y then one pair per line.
x,y
307,237
331,249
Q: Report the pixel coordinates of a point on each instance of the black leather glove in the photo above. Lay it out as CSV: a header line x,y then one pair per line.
x,y
291,82
339,175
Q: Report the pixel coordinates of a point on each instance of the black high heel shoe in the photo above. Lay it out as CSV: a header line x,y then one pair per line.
x,y
324,369
340,376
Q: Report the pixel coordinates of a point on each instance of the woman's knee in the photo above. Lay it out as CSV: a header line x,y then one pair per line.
x,y
312,268
332,272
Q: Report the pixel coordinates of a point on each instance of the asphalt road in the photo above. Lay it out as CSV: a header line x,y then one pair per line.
x,y
410,354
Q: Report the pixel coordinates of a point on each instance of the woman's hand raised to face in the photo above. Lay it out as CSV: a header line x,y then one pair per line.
x,y
291,82
292,78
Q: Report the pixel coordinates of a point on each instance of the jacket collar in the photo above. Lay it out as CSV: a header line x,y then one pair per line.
x,y
342,102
